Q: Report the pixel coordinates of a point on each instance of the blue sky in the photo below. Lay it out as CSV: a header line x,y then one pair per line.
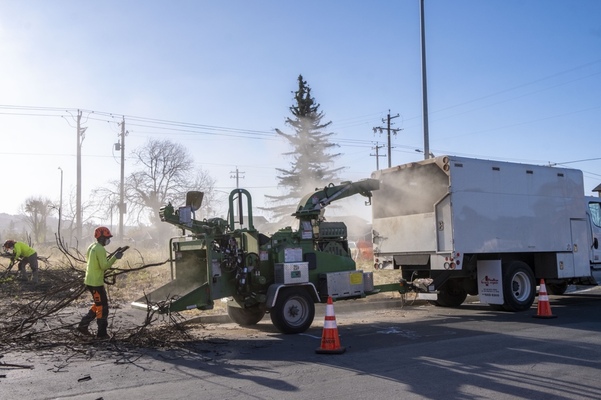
x,y
514,80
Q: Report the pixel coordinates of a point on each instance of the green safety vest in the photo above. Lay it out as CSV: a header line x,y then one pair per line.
x,y
97,264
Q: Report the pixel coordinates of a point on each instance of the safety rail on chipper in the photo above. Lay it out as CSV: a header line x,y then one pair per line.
x,y
284,274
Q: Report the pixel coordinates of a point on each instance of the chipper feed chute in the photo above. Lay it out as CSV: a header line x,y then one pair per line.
x,y
190,287
205,264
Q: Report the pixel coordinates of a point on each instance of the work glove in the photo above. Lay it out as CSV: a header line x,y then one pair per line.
x,y
118,255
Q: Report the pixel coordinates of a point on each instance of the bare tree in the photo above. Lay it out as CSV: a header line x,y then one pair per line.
x,y
106,201
163,177
204,182
68,227
164,173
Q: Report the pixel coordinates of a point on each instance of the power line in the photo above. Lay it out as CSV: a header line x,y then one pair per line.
x,y
528,84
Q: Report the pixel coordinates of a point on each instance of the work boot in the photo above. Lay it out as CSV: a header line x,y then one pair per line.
x,y
35,277
85,322
84,331
102,326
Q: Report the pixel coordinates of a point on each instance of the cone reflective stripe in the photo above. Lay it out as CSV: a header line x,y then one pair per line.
x,y
544,307
330,341
330,319
329,324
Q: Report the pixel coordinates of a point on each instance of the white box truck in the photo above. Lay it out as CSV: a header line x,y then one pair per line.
x,y
456,226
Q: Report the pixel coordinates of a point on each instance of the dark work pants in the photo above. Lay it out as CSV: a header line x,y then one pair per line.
x,y
32,260
99,310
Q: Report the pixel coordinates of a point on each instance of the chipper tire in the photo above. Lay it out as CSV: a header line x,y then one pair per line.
x,y
246,316
293,312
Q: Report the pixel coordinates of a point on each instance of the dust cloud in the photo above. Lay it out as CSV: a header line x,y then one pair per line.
x,y
409,189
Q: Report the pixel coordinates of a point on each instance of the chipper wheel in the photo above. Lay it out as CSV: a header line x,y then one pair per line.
x,y
293,312
246,316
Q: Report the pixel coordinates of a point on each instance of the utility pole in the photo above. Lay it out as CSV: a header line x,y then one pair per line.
x,y
237,177
388,130
122,208
80,137
377,155
60,206
424,84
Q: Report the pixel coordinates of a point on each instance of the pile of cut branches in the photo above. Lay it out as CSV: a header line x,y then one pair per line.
x,y
34,316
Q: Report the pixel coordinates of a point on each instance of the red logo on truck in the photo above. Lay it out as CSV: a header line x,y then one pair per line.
x,y
489,281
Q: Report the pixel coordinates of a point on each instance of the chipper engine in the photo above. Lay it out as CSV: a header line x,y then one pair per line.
x,y
284,274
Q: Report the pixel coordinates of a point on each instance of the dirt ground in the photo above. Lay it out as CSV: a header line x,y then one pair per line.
x,y
44,315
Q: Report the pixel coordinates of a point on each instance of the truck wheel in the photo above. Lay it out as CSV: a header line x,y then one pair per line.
x,y
519,286
556,288
246,316
451,294
293,312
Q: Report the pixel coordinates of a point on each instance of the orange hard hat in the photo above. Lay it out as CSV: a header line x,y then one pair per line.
x,y
102,231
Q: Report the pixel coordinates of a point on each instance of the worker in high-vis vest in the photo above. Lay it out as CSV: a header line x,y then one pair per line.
x,y
24,254
97,264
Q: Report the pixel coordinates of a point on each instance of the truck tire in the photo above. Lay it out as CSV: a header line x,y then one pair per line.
x,y
451,294
293,312
556,288
519,286
246,316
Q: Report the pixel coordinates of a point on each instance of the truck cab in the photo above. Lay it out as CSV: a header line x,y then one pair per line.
x,y
594,214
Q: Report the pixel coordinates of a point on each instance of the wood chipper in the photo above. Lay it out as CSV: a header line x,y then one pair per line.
x,y
284,274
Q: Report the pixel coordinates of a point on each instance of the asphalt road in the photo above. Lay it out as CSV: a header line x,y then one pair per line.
x,y
396,351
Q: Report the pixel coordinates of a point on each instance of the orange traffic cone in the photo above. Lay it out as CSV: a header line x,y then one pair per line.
x,y
544,307
330,342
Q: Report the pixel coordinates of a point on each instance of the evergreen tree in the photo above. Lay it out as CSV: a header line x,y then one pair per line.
x,y
311,160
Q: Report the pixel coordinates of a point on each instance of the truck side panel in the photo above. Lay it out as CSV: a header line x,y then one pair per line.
x,y
448,206
480,207
507,207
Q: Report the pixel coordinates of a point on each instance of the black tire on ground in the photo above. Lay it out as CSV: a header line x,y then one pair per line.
x,y
556,288
451,294
246,316
293,312
519,286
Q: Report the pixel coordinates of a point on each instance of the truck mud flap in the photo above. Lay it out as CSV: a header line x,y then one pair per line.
x,y
596,274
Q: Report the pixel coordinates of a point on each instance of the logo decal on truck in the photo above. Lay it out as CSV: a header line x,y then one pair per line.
x,y
489,281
